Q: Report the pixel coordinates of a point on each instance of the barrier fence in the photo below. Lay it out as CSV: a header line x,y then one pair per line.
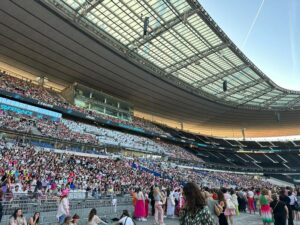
x,y
106,208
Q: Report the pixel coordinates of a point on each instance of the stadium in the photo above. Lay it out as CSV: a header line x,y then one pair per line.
x,y
139,112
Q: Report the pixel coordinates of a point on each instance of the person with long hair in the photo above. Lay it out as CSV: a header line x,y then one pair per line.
x,y
93,219
195,210
222,203
139,210
213,207
17,218
280,211
63,209
159,212
230,210
35,219
125,219
266,214
170,204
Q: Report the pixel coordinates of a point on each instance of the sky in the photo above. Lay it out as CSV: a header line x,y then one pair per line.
x,y
267,31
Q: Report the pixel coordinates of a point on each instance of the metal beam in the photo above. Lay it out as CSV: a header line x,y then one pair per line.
x,y
86,7
220,75
255,95
194,58
293,102
272,100
241,87
140,41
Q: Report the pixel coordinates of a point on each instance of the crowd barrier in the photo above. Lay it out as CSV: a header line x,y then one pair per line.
x,y
107,209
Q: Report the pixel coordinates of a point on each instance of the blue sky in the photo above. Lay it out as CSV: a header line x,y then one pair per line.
x,y
273,43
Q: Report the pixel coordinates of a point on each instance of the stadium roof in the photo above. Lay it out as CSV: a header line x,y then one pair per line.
x,y
182,45
47,38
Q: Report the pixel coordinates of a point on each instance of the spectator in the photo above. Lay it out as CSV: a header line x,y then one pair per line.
x,y
280,211
93,219
196,211
35,219
125,219
63,208
17,218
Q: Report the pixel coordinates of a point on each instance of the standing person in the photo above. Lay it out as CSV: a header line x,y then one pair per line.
x,y
17,218
146,205
230,207
297,194
35,219
93,219
242,200
250,197
222,203
134,193
195,211
234,199
256,199
139,210
284,197
280,211
159,212
1,207
213,207
164,201
152,201
293,203
181,202
266,214
170,204
63,209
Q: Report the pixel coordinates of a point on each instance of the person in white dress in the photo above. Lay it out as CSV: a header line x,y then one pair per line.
x,y
170,204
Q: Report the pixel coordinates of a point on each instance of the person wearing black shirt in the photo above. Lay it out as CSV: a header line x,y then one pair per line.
x,y
284,198
280,210
151,197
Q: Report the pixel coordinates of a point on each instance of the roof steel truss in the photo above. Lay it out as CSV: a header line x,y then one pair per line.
x,y
221,75
195,58
241,87
86,7
272,100
143,39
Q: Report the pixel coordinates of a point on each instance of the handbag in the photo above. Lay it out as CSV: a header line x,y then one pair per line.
x,y
229,204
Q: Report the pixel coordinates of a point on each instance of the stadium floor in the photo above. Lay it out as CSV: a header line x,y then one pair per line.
x,y
243,219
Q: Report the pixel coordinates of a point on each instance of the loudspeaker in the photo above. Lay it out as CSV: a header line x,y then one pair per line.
x,y
146,23
225,85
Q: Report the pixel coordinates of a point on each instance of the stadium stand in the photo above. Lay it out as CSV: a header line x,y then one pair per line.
x,y
59,158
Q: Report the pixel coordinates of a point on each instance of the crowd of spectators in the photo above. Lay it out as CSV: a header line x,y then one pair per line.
x,y
83,133
32,169
31,90
53,129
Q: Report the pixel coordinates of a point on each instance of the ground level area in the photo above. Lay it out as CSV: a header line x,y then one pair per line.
x,y
243,219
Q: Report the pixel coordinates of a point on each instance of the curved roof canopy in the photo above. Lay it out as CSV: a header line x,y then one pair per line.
x,y
178,41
